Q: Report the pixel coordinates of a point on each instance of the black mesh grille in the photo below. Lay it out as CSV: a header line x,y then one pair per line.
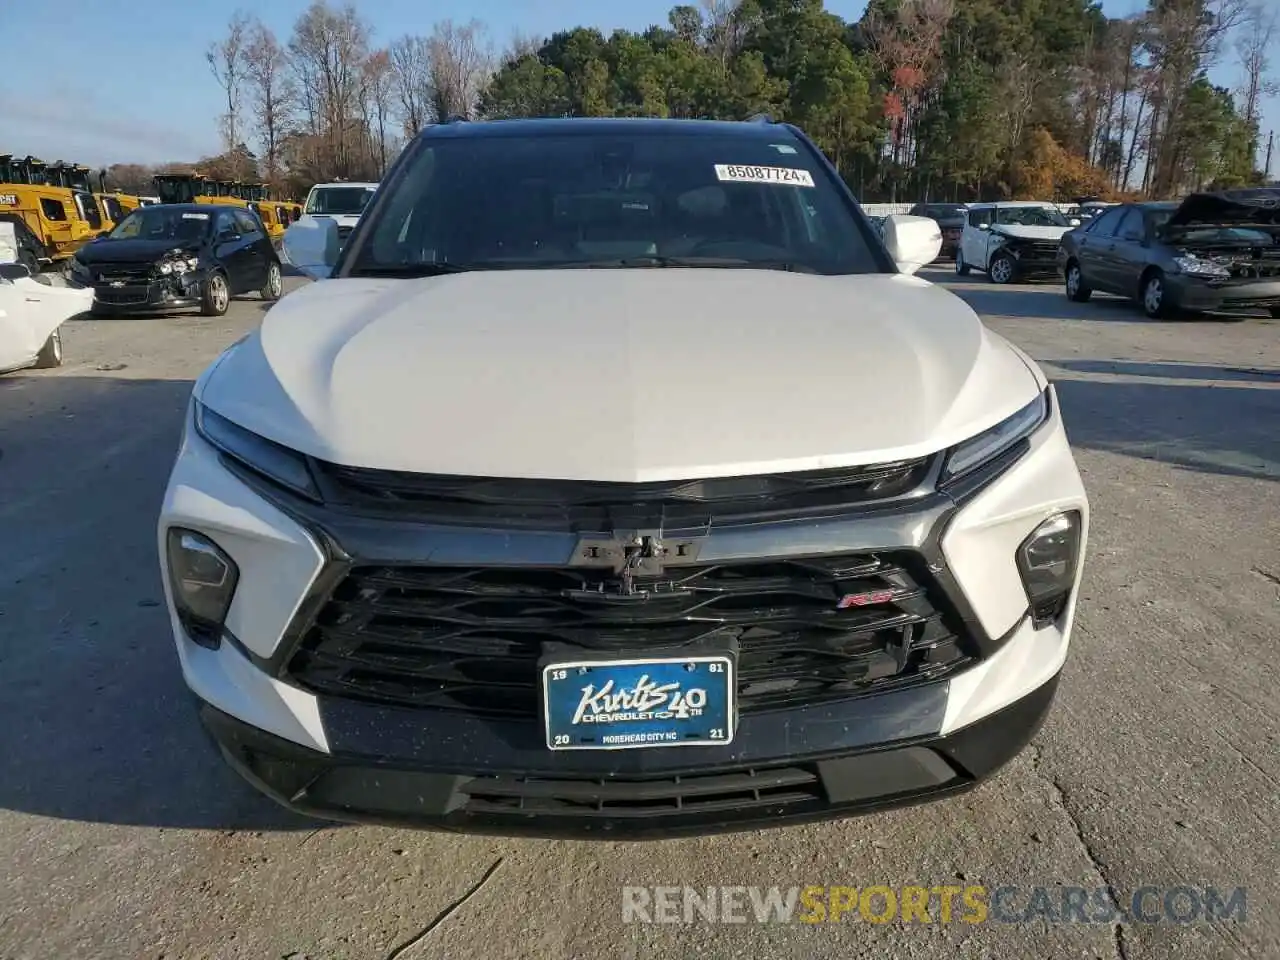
x,y
573,504
468,639
127,272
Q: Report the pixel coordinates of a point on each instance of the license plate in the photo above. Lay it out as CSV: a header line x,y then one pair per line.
x,y
626,704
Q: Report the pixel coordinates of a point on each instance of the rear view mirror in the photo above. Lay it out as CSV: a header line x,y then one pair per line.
x,y
312,245
912,242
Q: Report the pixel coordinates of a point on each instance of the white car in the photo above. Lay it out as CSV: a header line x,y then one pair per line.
x,y
341,201
615,480
30,315
1013,240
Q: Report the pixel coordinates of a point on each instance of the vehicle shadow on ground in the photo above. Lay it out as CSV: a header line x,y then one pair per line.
x,y
1218,429
1044,302
1170,370
98,725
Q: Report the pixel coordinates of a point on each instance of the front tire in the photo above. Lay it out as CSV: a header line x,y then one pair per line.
x,y
215,298
50,354
274,285
962,268
1002,269
1077,289
1154,297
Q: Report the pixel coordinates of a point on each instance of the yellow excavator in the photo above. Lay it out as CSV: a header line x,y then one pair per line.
x,y
275,214
62,218
76,178
114,204
195,188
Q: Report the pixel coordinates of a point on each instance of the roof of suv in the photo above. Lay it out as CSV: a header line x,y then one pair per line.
x,y
1008,204
588,126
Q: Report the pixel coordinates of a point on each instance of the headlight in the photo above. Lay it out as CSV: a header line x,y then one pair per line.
x,y
166,267
266,457
991,443
1195,267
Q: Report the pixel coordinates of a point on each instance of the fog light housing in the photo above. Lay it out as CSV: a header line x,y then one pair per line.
x,y
203,580
1047,561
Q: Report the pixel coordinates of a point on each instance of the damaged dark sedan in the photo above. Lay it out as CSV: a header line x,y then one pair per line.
x,y
174,256
1213,252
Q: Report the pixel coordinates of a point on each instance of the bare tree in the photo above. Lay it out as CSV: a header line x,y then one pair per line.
x,y
461,60
226,60
1182,38
410,58
273,93
1257,38
377,82
328,49
523,45
725,29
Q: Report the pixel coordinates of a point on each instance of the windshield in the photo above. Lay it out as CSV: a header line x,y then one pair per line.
x,y
945,211
1221,235
338,200
176,191
162,223
614,199
1030,217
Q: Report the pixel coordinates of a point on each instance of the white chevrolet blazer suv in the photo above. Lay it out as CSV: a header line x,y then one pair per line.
x,y
616,479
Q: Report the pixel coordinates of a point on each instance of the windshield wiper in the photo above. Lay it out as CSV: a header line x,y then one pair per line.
x,y
728,263
440,268
431,269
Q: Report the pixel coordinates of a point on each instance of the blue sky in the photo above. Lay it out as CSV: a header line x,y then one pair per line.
x,y
150,97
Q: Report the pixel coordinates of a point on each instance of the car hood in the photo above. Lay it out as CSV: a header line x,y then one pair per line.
x,y
131,251
634,375
342,219
1030,233
1256,206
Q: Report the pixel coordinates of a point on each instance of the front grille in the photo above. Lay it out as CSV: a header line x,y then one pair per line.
x,y
122,296
344,231
469,638
706,793
578,505
1039,249
128,272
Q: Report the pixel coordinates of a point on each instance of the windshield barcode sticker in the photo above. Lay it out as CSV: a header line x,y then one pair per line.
x,y
195,216
787,176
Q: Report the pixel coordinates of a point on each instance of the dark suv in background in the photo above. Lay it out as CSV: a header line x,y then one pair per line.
x,y
950,217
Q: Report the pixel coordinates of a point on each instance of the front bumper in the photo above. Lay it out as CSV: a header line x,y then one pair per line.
x,y
352,759
165,293
1192,293
1033,261
424,784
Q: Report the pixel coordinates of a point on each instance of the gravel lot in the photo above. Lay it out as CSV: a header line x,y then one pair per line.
x,y
123,836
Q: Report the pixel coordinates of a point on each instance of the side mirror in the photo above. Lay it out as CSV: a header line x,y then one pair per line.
x,y
14,271
312,245
912,242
